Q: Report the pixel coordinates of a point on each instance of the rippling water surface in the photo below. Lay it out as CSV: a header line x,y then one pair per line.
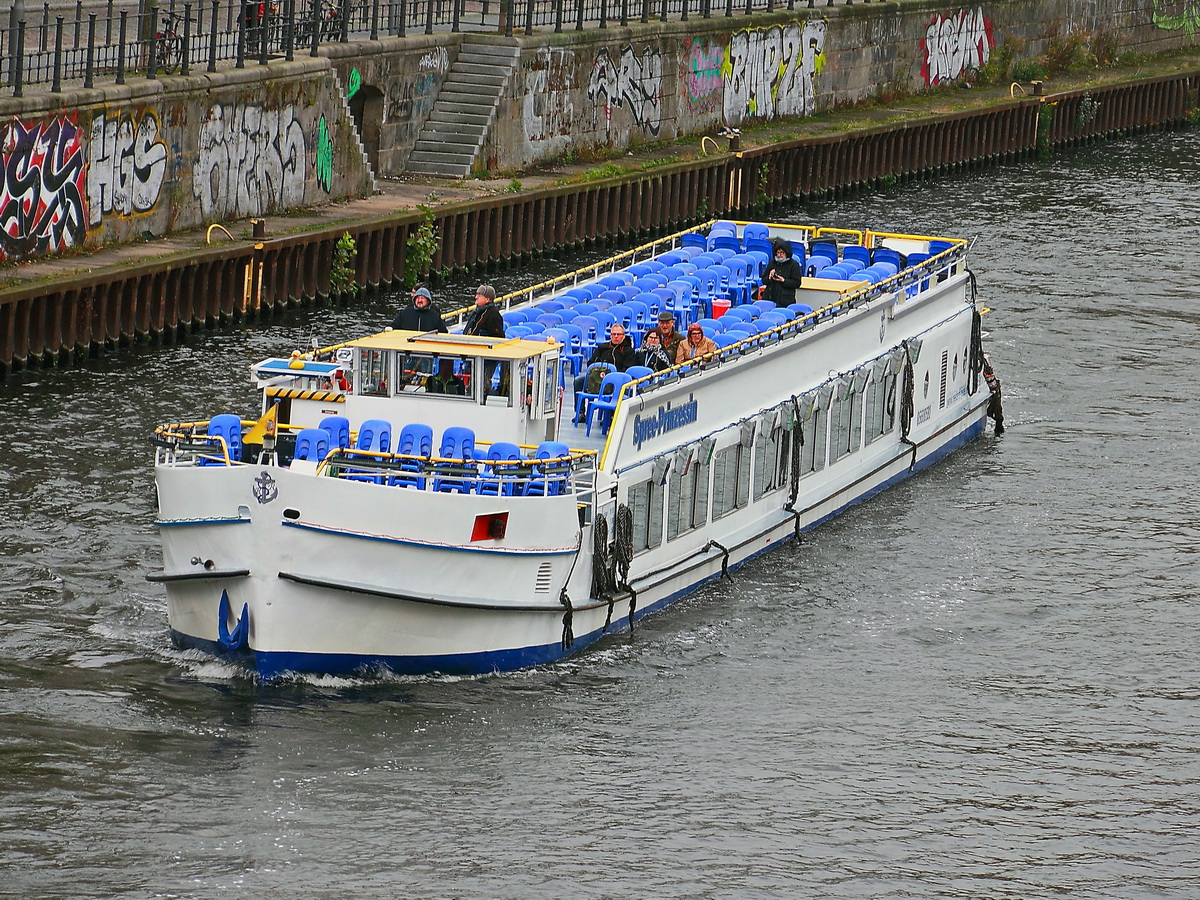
x,y
983,683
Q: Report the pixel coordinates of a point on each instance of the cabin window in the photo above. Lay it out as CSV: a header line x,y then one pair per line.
x,y
812,454
550,384
845,425
873,415
687,498
731,479
771,457
373,371
646,504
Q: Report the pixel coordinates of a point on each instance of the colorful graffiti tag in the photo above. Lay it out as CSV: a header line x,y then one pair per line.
x,y
773,71
324,156
43,194
127,165
955,45
249,161
633,82
1177,15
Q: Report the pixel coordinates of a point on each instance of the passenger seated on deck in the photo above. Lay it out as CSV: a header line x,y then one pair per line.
x,y
696,345
653,355
618,350
444,381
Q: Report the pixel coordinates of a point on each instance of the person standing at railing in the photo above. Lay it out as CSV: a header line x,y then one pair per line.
x,y
420,315
782,275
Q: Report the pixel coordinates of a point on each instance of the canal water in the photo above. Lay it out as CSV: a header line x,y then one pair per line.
x,y
983,683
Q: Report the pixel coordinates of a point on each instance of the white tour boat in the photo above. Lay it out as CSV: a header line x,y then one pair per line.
x,y
443,503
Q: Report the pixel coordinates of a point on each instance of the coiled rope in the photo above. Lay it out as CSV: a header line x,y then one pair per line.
x,y
797,446
908,386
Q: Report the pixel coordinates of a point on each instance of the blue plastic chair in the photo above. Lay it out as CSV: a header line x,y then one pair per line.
x,y
725,242
816,264
550,320
604,321
415,439
763,306
756,231
888,255
827,249
515,317
500,480
567,313
549,306
857,252
518,331
673,256
458,443
550,479
711,326
589,328
637,270
534,327
636,372
339,431
936,247
615,279
612,296
312,444
585,309
742,313
228,427
759,246
653,265
373,435
606,401
650,282
583,398
800,309
728,339
694,239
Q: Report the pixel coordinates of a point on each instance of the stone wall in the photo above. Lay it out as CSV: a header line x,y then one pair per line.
x,y
123,163
608,88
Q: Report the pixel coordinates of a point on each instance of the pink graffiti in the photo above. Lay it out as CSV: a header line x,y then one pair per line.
x,y
703,70
43,186
955,45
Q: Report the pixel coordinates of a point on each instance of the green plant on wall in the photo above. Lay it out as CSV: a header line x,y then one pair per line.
x,y
1045,120
422,245
341,273
1089,106
763,200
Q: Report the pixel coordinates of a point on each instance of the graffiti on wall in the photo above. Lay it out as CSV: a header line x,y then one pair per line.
x,y
632,82
249,160
548,111
43,189
956,44
773,71
324,156
700,75
127,164
1177,15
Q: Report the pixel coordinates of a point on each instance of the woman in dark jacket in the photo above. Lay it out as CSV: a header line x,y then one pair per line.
x,y
782,275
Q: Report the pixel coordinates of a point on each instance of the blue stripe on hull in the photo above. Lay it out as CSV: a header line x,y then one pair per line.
x,y
272,665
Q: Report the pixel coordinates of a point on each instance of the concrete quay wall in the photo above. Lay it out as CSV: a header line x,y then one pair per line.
x,y
88,168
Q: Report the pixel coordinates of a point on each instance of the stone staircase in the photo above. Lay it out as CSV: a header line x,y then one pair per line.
x,y
464,109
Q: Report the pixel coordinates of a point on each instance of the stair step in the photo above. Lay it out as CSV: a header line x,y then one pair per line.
x,y
449,159
475,48
467,95
469,73
454,131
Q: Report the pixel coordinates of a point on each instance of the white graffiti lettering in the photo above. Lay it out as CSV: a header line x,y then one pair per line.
x,y
127,164
249,161
772,72
635,83
437,60
956,44
548,111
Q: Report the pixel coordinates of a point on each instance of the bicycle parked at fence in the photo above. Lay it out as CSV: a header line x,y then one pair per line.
x,y
327,16
168,42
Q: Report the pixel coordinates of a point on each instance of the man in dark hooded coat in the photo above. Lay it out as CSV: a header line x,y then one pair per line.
x,y
782,275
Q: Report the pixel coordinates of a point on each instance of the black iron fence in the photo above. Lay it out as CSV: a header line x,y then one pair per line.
x,y
113,44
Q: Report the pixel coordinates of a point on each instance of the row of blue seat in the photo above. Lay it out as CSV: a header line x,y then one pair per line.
x,y
470,472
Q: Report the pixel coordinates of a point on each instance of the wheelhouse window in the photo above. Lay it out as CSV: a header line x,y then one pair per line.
x,y
646,505
431,373
374,371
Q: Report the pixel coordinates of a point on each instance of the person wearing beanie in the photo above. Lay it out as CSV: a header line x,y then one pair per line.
x,y
420,315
